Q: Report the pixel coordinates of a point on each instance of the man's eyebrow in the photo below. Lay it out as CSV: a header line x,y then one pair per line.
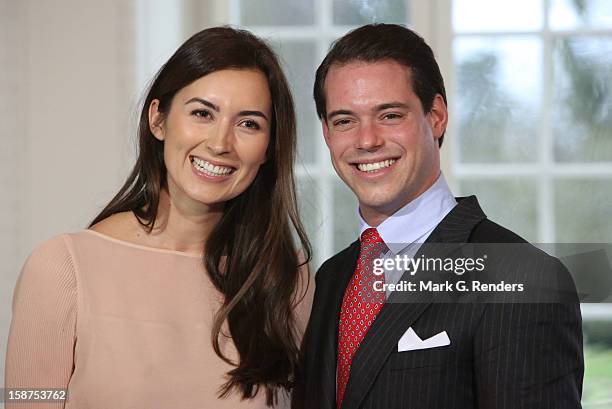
x,y
389,105
253,113
203,102
379,107
339,112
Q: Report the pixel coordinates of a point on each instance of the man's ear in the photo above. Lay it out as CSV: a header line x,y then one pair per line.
x,y
325,130
156,119
438,117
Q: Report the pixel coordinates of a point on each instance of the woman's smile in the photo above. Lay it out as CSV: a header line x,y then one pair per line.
x,y
209,169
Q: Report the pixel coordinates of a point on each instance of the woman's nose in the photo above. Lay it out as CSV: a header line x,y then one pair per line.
x,y
219,142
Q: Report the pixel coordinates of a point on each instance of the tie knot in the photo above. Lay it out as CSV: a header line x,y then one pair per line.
x,y
370,239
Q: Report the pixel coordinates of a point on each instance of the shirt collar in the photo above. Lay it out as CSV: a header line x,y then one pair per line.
x,y
413,222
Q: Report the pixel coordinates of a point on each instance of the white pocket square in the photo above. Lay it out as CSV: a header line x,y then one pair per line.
x,y
411,341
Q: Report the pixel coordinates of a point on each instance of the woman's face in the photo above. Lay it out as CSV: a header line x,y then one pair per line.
x,y
215,135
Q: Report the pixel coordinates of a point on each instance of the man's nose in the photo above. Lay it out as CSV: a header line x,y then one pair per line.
x,y
368,138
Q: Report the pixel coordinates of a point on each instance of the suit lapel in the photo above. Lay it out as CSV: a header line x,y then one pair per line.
x,y
327,357
395,317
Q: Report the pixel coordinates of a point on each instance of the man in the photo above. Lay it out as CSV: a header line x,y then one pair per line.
x,y
381,100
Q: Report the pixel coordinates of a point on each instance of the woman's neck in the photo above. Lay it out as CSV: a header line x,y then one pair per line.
x,y
182,226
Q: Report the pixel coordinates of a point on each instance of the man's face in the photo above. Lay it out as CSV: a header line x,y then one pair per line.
x,y
381,143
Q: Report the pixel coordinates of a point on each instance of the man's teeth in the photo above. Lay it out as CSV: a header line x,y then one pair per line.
x,y
372,167
210,169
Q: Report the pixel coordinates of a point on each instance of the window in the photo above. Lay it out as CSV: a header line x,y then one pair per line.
x,y
532,110
533,114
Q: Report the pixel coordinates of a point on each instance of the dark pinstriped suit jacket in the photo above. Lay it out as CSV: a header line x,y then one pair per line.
x,y
500,356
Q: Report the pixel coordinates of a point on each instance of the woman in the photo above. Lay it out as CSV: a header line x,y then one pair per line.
x,y
185,291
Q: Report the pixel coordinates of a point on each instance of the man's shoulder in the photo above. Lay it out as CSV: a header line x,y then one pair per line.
x,y
335,261
487,231
515,257
488,234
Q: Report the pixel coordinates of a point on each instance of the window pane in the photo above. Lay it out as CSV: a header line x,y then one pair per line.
x,y
346,224
582,102
298,60
497,104
497,15
276,13
359,12
569,14
583,211
509,202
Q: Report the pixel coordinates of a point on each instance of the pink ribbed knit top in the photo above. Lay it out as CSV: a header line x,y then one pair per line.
x,y
119,325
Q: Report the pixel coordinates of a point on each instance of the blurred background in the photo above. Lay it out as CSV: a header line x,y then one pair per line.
x,y
530,96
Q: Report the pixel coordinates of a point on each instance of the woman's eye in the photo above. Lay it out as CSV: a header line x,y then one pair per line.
x,y
201,113
250,124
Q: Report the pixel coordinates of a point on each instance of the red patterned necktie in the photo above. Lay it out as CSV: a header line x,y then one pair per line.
x,y
360,306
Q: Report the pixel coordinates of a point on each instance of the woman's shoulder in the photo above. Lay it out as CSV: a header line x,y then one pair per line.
x,y
48,270
58,252
120,226
55,250
125,230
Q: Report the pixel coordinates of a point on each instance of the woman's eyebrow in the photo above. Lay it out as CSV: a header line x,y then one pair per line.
x,y
217,109
253,113
204,102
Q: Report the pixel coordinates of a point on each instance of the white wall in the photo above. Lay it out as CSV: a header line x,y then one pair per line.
x,y
12,93
66,96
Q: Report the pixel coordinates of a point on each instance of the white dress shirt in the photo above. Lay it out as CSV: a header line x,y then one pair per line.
x,y
405,230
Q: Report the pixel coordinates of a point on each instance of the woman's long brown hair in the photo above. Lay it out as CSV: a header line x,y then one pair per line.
x,y
251,255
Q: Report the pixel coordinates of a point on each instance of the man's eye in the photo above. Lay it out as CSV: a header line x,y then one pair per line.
x,y
342,122
391,116
250,124
201,113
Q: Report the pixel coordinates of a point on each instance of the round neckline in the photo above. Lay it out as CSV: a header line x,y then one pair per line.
x,y
140,246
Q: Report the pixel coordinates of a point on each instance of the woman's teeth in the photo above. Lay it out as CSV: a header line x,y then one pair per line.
x,y
210,169
373,167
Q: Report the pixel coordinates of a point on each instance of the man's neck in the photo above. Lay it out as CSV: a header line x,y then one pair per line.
x,y
374,216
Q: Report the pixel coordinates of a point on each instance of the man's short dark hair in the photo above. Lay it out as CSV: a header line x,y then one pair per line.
x,y
379,42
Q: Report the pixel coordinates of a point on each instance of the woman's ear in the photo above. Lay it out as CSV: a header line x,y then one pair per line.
x,y
266,157
156,119
269,153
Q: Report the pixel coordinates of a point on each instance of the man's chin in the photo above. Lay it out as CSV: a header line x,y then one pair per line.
x,y
376,205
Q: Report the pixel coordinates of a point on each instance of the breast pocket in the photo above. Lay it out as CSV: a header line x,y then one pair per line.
x,y
423,358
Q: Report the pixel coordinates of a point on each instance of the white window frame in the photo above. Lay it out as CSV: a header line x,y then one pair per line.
x,y
544,170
